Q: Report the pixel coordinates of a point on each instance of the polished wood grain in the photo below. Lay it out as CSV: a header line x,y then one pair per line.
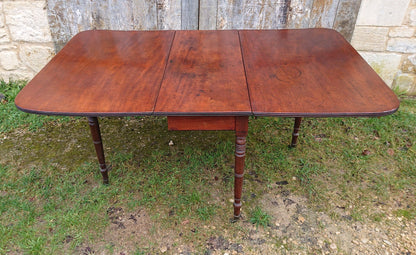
x,y
295,134
98,144
204,76
101,73
241,130
201,123
311,72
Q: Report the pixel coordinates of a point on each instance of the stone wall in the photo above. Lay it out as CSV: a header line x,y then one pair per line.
x,y
385,36
25,39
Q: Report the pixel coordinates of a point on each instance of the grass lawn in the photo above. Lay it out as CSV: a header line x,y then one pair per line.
x,y
176,197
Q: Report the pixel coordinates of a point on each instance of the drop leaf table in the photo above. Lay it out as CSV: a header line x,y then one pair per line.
x,y
207,80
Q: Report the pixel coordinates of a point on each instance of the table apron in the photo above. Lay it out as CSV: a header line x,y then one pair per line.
x,y
202,122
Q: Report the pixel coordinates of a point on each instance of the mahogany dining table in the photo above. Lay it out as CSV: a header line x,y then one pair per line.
x,y
207,80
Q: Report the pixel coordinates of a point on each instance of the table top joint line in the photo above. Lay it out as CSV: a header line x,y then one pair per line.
x,y
245,72
164,72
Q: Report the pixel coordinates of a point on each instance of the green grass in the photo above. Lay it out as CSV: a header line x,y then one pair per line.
x,y
52,199
260,217
10,118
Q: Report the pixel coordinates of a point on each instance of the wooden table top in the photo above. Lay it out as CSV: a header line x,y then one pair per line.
x,y
297,73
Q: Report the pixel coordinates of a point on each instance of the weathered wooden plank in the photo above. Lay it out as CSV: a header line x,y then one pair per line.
x,y
237,18
80,15
57,23
112,14
229,15
168,14
323,13
189,15
224,14
247,14
299,14
262,14
120,14
99,14
346,17
67,18
208,14
144,15
282,13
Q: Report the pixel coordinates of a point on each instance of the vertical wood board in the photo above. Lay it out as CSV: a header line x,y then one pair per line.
x,y
69,17
168,14
208,14
120,14
346,17
299,14
144,15
246,14
323,13
189,15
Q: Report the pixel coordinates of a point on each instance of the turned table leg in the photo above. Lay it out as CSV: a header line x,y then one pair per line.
x,y
241,128
96,137
295,133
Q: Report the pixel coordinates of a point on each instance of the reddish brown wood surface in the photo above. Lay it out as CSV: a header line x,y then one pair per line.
x,y
298,73
312,72
204,76
295,134
101,73
201,123
241,130
98,144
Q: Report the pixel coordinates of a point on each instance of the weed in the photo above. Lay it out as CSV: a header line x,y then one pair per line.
x,y
206,212
259,217
34,245
406,213
378,217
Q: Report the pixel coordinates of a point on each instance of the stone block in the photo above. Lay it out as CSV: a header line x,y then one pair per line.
x,y
7,47
382,12
402,32
1,15
27,21
406,82
412,17
409,64
9,60
35,56
4,36
385,64
370,38
407,67
412,59
16,75
403,45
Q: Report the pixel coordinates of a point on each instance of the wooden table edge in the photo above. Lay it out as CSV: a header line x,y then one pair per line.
x,y
326,115
203,114
86,114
